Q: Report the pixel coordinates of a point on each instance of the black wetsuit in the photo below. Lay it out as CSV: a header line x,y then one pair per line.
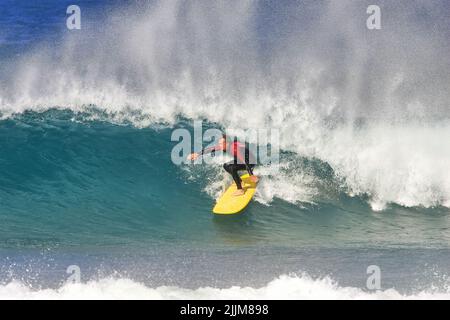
x,y
243,160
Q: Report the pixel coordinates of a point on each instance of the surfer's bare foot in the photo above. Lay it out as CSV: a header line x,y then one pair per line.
x,y
239,192
254,179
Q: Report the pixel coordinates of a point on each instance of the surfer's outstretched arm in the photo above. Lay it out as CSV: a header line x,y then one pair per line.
x,y
211,149
195,155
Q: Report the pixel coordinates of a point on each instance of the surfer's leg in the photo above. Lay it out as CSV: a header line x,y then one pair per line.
x,y
233,168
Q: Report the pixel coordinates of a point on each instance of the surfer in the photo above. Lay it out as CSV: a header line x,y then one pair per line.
x,y
243,159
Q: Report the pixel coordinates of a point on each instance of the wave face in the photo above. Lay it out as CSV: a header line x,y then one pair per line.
x,y
74,179
371,104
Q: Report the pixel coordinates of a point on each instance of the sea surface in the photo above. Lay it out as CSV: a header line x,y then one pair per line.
x,y
92,206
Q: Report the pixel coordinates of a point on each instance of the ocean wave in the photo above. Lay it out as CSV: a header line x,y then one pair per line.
x,y
288,287
377,114
382,164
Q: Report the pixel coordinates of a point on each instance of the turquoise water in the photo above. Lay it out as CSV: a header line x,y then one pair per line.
x,y
73,182
86,176
107,197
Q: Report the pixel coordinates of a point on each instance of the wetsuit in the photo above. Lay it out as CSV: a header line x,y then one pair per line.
x,y
243,159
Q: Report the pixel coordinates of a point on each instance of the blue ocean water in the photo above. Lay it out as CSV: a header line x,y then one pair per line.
x,y
86,176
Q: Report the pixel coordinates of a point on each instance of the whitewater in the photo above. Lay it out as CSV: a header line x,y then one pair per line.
x,y
85,131
283,288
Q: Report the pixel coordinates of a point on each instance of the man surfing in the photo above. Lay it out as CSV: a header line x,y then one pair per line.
x,y
243,159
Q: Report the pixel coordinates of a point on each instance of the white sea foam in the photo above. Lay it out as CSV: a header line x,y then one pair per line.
x,y
278,181
283,287
373,105
404,164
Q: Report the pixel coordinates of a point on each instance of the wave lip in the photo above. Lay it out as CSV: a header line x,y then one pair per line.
x,y
288,287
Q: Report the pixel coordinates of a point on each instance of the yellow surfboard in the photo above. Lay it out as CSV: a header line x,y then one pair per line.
x,y
229,204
